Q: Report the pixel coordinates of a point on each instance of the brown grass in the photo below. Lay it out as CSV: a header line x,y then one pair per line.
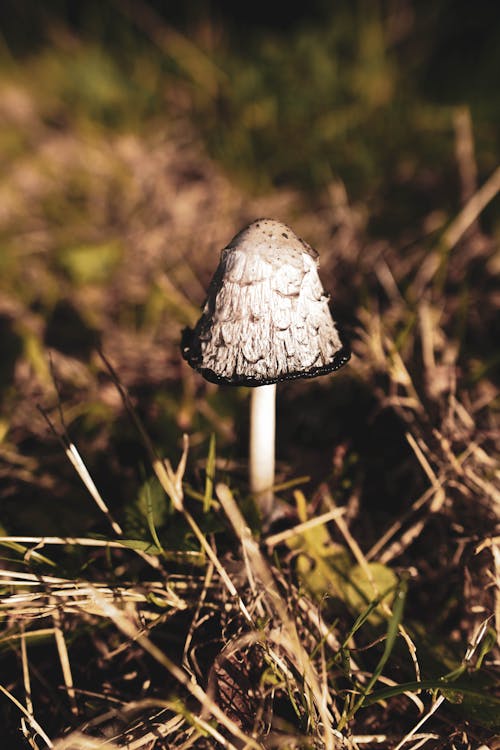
x,y
217,642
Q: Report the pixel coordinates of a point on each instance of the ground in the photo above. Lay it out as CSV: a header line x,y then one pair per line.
x,y
138,605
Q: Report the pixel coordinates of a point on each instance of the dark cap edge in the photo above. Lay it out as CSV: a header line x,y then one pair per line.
x,y
340,359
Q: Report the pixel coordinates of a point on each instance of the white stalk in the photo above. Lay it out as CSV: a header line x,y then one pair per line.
x,y
262,445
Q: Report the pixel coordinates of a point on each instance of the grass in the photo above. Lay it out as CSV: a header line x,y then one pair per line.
x,y
142,602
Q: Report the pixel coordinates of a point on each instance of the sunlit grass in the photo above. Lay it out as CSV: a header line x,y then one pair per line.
x,y
135,601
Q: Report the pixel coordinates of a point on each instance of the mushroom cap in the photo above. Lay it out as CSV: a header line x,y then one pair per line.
x,y
266,317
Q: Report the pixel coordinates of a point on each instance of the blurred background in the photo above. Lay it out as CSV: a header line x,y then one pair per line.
x,y
137,137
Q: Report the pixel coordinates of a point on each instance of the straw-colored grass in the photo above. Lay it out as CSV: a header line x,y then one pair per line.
x,y
142,604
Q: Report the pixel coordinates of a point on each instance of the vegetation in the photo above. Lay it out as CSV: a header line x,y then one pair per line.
x,y
143,603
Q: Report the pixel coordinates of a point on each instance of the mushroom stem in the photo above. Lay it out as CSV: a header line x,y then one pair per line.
x,y
262,440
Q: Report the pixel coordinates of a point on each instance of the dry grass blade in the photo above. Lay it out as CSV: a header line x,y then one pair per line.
x,y
274,539
130,629
396,527
78,464
470,212
76,596
81,741
62,651
409,735
41,541
351,542
171,481
201,601
363,563
277,608
457,228
26,673
29,717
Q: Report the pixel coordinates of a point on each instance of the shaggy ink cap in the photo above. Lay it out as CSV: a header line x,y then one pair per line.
x,y
266,317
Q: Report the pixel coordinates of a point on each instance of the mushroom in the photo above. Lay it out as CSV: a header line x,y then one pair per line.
x,y
266,319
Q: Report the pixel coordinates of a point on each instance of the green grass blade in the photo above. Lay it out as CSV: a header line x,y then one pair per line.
x,y
25,551
151,520
392,634
435,684
210,475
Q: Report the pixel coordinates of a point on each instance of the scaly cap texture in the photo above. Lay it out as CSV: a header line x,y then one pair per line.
x,y
266,317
